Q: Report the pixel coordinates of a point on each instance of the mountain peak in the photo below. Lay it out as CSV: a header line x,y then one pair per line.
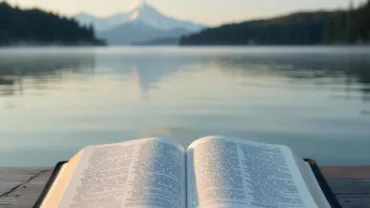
x,y
141,12
141,4
83,14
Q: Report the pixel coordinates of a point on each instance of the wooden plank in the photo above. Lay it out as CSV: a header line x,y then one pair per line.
x,y
20,187
10,177
351,193
349,185
354,201
347,172
23,185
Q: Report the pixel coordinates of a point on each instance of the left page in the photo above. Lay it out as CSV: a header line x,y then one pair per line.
x,y
141,173
60,184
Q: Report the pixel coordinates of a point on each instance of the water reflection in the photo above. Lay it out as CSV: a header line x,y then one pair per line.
x,y
348,69
308,98
144,70
345,71
39,70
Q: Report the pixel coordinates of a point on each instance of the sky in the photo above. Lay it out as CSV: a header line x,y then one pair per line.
x,y
210,12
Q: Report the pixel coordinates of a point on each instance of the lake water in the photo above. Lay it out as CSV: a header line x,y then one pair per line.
x,y
54,101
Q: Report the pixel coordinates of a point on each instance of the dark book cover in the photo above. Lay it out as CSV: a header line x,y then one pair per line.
x,y
48,185
315,168
333,201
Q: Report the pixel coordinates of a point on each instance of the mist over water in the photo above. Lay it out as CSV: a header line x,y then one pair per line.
x,y
55,101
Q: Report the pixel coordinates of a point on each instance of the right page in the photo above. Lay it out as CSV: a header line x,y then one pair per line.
x,y
235,173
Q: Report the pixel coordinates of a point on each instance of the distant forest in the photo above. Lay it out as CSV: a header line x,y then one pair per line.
x,y
37,27
304,28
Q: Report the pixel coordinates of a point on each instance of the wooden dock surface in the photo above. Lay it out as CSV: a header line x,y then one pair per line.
x,y
20,187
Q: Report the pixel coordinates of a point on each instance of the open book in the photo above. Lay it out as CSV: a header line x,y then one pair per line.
x,y
214,171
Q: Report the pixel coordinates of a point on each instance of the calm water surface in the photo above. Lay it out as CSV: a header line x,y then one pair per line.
x,y
54,101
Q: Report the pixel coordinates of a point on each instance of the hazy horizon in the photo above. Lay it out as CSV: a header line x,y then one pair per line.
x,y
207,12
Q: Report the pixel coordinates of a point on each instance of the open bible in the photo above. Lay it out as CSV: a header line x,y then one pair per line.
x,y
213,171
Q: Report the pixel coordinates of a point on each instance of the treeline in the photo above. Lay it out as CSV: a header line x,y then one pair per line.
x,y
300,28
351,26
304,28
37,27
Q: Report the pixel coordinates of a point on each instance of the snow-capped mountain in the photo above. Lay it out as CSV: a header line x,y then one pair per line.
x,y
100,24
143,13
137,32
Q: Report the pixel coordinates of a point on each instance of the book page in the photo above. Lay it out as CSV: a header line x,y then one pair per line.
x,y
142,173
60,184
312,183
315,189
234,173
